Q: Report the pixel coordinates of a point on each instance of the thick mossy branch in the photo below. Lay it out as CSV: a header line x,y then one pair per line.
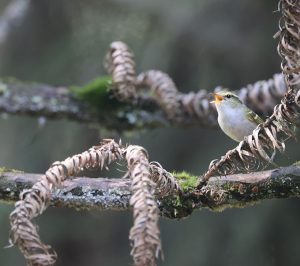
x,y
113,194
91,103
34,99
94,103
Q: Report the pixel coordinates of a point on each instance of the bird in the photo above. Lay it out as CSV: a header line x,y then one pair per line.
x,y
234,117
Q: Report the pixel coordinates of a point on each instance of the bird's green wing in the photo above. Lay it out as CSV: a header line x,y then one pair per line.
x,y
253,117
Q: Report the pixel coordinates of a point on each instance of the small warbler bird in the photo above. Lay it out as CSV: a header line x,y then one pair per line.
x,y
234,117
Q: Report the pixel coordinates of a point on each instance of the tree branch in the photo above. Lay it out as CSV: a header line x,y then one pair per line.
x,y
42,100
93,103
113,194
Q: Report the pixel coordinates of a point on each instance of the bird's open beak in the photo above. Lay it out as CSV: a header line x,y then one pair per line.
x,y
218,98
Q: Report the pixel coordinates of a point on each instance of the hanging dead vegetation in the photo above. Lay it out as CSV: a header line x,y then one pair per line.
x,y
145,235
289,43
164,90
119,62
34,201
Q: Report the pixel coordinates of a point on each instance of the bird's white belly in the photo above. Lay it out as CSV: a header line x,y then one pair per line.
x,y
235,125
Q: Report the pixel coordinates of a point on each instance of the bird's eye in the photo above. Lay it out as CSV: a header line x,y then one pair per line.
x,y
228,96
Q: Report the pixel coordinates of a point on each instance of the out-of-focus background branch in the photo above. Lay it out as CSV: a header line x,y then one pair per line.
x,y
95,103
200,45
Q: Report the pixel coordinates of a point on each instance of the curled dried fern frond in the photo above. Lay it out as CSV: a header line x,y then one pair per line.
x,y
263,95
145,234
289,44
166,183
23,232
120,64
197,104
163,89
35,200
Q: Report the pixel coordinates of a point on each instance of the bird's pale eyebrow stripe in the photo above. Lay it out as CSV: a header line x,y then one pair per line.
x,y
231,95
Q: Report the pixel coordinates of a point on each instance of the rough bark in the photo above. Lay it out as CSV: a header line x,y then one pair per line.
x,y
60,102
113,194
42,100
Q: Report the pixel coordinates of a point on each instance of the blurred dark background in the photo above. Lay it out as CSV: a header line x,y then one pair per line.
x,y
200,44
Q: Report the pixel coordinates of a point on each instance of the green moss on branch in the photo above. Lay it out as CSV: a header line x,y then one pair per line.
x,y
96,93
186,180
240,190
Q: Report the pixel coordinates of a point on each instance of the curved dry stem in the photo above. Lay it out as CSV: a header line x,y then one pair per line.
x,y
145,234
289,44
163,89
35,200
166,183
263,95
120,64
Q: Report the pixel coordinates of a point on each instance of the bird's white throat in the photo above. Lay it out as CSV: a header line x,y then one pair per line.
x,y
232,118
